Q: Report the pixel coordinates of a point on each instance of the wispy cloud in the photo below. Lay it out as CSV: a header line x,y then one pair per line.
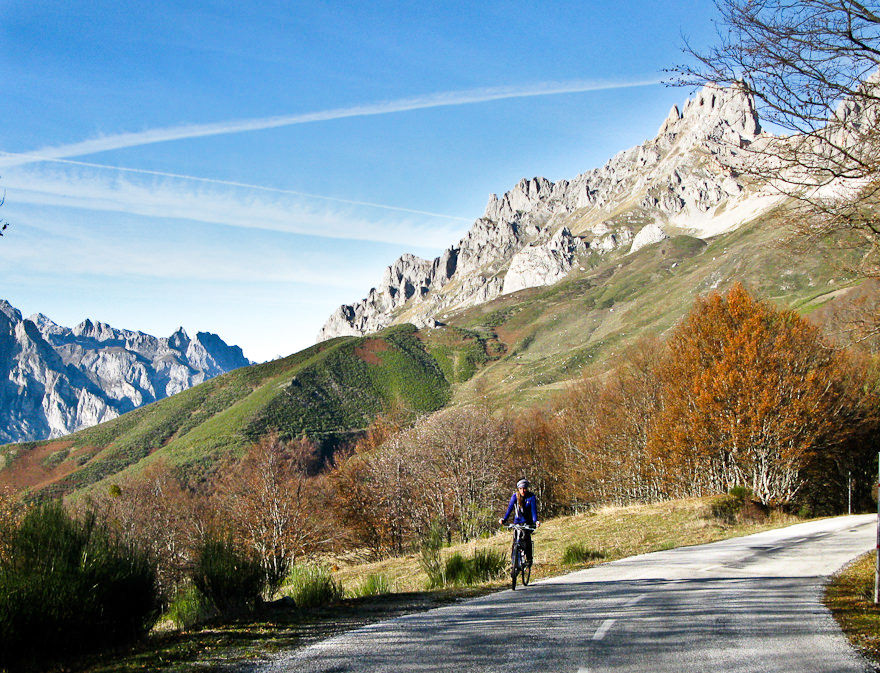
x,y
239,206
52,246
232,183
443,99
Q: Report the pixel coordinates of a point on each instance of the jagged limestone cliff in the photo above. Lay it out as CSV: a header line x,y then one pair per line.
x,y
540,231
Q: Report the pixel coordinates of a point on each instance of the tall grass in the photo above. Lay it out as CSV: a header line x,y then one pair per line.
x,y
484,566
430,558
188,608
312,585
228,576
374,584
69,587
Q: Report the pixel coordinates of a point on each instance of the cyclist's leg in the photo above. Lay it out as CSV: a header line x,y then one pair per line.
x,y
527,545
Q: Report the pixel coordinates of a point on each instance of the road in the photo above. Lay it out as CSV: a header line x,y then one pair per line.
x,y
747,605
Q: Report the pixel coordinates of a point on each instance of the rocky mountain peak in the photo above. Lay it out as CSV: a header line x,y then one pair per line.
x,y
671,122
717,113
99,331
539,231
521,198
179,340
10,311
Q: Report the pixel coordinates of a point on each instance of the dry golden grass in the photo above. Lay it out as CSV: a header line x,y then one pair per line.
x,y
616,532
850,597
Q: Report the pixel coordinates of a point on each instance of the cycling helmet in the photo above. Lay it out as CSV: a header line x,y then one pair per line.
x,y
522,483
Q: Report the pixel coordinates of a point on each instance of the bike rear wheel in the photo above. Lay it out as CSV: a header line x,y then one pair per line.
x,y
526,572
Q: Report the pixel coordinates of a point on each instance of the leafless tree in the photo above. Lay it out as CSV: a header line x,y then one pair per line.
x,y
268,502
469,449
160,515
3,223
811,66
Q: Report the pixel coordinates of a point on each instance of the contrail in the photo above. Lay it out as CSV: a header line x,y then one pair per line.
x,y
228,183
443,99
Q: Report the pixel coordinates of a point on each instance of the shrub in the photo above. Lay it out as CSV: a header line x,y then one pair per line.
x,y
456,570
374,584
229,577
578,553
69,587
430,558
188,608
725,508
312,585
737,506
488,564
741,492
483,566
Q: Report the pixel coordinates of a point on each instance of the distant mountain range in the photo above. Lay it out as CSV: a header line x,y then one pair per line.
x,y
55,380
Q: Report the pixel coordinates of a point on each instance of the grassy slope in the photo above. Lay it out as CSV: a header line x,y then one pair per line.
x,y
850,597
515,351
329,389
552,333
616,532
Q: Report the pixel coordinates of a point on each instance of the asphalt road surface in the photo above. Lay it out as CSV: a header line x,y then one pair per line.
x,y
750,604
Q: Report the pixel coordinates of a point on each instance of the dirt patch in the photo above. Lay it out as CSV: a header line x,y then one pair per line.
x,y
368,350
34,468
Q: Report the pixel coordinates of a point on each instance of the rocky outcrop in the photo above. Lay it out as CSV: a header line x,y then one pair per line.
x,y
544,263
650,234
533,234
55,380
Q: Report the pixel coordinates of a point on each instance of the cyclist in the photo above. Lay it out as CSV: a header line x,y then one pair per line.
x,y
524,506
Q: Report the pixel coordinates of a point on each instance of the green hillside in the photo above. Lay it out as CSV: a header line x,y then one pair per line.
x,y
516,351
327,392
552,333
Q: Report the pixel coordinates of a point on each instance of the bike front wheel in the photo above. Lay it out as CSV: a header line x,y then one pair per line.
x,y
521,568
515,567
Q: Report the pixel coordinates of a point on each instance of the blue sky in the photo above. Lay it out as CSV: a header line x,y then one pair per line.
x,y
277,156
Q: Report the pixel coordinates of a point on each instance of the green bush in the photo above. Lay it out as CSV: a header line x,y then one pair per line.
x,y
188,608
312,585
69,587
483,566
726,508
374,584
488,565
741,492
456,570
429,558
737,506
578,553
229,577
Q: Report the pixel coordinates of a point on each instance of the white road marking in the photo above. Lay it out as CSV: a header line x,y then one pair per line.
x,y
583,670
633,601
603,629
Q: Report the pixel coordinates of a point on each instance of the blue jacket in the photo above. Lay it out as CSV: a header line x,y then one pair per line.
x,y
529,513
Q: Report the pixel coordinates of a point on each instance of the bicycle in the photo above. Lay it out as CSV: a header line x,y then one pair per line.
x,y
519,561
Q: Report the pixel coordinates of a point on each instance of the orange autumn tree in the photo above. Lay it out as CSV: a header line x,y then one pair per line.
x,y
750,396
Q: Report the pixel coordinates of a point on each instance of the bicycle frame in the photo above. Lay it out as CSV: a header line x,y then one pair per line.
x,y
518,554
